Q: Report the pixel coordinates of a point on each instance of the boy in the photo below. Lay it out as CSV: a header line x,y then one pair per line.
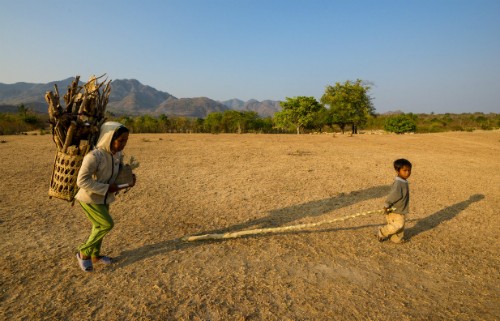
x,y
399,199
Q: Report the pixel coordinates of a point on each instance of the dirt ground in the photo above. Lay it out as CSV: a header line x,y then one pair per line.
x,y
192,184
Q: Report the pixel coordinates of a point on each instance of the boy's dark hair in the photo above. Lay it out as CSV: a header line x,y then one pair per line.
x,y
120,130
400,163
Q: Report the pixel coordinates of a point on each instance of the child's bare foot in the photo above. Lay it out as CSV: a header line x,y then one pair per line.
x,y
381,237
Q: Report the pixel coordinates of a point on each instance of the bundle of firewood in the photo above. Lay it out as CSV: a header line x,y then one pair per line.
x,y
75,129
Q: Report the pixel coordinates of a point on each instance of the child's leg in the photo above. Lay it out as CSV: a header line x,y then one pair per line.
x,y
398,237
102,223
394,228
97,249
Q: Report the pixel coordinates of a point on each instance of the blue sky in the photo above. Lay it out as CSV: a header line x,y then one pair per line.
x,y
420,56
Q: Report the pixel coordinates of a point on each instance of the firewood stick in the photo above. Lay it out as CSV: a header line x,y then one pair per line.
x,y
86,150
83,147
105,94
50,101
48,98
73,91
69,136
58,142
60,134
83,105
104,74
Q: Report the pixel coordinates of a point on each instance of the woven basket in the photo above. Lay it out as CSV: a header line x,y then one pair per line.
x,y
125,175
64,175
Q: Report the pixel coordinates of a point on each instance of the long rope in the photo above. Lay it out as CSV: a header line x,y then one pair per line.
x,y
231,235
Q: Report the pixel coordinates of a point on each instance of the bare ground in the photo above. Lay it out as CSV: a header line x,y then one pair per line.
x,y
197,184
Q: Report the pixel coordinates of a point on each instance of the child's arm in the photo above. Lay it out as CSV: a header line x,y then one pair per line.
x,y
85,180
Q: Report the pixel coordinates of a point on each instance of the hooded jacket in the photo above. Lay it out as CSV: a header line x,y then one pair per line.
x,y
99,169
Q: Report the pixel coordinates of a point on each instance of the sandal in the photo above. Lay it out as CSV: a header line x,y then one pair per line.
x,y
85,265
104,259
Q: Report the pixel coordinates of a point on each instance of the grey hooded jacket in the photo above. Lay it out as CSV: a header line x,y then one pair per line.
x,y
99,169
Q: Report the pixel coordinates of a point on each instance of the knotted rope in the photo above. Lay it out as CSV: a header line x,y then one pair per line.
x,y
232,235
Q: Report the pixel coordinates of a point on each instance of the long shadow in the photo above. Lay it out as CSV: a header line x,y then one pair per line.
x,y
276,218
441,216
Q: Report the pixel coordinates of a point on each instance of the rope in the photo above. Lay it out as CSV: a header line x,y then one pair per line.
x,y
231,235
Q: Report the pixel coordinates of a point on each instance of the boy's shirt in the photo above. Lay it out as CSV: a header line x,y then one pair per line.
x,y
399,196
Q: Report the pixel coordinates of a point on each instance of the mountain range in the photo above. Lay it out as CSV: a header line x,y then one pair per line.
x,y
130,97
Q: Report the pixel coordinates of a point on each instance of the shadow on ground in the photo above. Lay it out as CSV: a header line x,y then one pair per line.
x,y
275,218
441,216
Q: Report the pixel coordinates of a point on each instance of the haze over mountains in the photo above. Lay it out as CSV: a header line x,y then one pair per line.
x,y
130,97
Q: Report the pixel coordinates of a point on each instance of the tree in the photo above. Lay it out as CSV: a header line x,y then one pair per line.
x,y
145,124
401,123
163,123
22,110
349,104
213,122
299,112
231,121
321,119
250,121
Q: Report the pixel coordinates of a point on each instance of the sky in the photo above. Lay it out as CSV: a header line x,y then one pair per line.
x,y
418,56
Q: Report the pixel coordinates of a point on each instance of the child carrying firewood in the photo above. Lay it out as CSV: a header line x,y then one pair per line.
x,y
399,200
96,180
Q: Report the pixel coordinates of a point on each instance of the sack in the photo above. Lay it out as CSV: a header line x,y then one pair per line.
x,y
125,175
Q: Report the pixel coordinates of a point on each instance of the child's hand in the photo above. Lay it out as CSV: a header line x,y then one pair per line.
x,y
113,188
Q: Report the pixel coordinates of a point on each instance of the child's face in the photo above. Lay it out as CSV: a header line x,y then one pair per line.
x,y
119,144
404,172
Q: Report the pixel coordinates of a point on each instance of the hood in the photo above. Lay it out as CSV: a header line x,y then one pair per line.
x,y
106,134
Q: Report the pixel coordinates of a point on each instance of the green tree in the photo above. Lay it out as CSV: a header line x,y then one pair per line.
x,y
298,111
401,124
321,119
198,125
213,122
145,124
250,121
349,104
22,110
263,125
231,121
163,123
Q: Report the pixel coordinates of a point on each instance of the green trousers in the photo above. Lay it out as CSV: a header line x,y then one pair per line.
x,y
102,223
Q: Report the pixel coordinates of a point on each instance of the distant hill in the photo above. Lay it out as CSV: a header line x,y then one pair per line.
x,y
190,107
130,97
235,104
29,94
265,108
395,112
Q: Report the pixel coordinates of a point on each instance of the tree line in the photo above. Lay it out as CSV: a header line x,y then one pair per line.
x,y
344,106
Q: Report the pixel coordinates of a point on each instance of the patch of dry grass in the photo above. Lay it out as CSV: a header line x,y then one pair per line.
x,y
198,184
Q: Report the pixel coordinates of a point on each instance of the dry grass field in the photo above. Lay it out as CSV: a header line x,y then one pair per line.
x,y
200,183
